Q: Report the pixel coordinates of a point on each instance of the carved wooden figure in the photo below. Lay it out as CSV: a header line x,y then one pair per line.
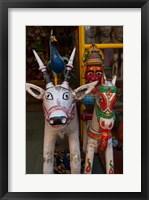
x,y
121,66
115,65
99,132
104,36
56,61
60,115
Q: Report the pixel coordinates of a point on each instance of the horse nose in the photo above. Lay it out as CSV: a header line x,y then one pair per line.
x,y
57,120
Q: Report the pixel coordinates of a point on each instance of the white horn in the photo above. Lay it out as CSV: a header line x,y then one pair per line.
x,y
70,62
69,67
114,79
43,68
104,79
40,63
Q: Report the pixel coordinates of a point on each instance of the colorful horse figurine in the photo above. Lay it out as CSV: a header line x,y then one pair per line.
x,y
99,132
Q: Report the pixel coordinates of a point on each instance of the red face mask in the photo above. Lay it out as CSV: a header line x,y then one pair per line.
x,y
93,73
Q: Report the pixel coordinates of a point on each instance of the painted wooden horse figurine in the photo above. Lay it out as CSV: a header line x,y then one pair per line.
x,y
59,105
99,132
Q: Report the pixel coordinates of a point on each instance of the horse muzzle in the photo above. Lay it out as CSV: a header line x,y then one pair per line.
x,y
57,117
58,120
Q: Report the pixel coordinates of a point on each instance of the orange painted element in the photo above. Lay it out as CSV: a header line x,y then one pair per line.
x,y
104,141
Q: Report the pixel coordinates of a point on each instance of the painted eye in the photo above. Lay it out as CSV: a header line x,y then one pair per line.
x,y
100,99
98,73
89,73
66,96
49,96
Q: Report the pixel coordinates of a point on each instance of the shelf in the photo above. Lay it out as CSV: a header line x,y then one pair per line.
x,y
106,46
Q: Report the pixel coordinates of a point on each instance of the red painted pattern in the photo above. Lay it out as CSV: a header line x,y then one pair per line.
x,y
112,102
111,171
88,167
102,101
69,113
104,141
94,135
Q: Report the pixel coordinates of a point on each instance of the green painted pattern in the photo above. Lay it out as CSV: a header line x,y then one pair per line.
x,y
111,165
100,114
104,88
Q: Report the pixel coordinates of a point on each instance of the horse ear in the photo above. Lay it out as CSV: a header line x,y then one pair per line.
x,y
84,90
114,80
103,79
35,91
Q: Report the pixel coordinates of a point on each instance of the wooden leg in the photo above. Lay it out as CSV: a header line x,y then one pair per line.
x,y
109,158
91,145
85,136
48,150
75,158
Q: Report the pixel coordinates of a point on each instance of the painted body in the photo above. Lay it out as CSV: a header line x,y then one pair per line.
x,y
59,105
57,63
99,132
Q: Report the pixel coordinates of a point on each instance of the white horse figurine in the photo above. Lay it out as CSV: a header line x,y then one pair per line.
x,y
99,132
60,115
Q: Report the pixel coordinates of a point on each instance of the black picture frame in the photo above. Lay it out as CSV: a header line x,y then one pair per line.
x,y
4,6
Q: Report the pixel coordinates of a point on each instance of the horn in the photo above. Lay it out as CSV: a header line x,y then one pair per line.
x,y
69,67
104,79
114,79
70,62
43,68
